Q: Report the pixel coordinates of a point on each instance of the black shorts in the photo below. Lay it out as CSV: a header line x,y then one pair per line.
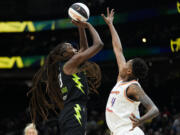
x,y
73,119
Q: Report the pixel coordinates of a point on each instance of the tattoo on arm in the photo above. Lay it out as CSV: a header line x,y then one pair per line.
x,y
143,98
152,110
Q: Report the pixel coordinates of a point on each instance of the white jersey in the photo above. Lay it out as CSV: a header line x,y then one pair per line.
x,y
119,108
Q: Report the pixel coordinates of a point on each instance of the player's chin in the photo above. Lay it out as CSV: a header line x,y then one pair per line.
x,y
75,51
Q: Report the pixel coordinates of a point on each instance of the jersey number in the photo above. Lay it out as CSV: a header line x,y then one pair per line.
x,y
113,101
60,80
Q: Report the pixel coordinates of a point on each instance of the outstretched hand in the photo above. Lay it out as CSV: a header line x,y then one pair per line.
x,y
135,121
110,16
80,24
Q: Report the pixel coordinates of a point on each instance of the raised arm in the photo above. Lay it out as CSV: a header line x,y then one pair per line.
x,y
117,46
83,43
138,94
83,40
71,66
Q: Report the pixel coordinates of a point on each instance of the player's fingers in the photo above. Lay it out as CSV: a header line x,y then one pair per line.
x,y
131,129
112,12
133,119
103,16
78,20
133,115
133,126
73,21
108,11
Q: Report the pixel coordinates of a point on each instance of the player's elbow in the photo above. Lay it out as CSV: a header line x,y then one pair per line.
x,y
156,111
100,43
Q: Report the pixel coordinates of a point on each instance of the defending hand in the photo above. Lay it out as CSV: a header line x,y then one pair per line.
x,y
110,16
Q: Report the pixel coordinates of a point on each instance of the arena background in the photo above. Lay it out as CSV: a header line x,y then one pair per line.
x,y
148,29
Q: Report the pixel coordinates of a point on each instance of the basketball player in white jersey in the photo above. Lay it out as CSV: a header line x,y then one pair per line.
x,y
122,112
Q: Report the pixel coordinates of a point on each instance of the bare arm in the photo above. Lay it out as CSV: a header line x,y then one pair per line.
x,y
83,40
117,49
139,95
117,46
71,66
83,43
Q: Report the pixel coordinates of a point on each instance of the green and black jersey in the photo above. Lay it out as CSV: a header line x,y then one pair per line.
x,y
73,117
73,87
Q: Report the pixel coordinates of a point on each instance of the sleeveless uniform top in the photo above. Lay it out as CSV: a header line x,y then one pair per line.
x,y
73,87
119,108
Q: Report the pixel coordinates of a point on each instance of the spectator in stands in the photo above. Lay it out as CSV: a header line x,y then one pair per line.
x,y
176,125
30,129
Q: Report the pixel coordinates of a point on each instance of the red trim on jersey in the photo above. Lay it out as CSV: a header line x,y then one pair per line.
x,y
109,110
115,92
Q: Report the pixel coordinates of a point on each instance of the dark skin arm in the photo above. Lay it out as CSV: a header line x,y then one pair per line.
x,y
83,43
138,94
117,46
72,65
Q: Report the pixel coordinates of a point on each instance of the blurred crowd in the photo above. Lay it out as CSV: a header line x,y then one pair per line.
x,y
167,123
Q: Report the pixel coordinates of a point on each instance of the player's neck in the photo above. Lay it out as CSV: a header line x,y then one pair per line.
x,y
127,79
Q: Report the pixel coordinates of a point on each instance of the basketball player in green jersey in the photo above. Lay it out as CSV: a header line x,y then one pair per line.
x,y
64,81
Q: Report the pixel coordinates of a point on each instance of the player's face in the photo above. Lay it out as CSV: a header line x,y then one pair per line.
x,y
129,63
129,67
127,70
31,132
69,49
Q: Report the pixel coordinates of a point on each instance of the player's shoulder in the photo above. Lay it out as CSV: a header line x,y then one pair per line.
x,y
134,88
129,83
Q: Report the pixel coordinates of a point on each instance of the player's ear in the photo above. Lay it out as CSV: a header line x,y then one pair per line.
x,y
65,54
129,71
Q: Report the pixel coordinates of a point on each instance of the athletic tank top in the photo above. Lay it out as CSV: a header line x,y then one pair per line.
x,y
74,88
119,107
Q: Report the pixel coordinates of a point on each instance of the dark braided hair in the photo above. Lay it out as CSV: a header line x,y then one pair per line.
x,y
93,74
139,68
46,94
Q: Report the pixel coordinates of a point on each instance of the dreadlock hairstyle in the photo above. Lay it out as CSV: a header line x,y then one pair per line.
x,y
46,94
139,68
93,74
